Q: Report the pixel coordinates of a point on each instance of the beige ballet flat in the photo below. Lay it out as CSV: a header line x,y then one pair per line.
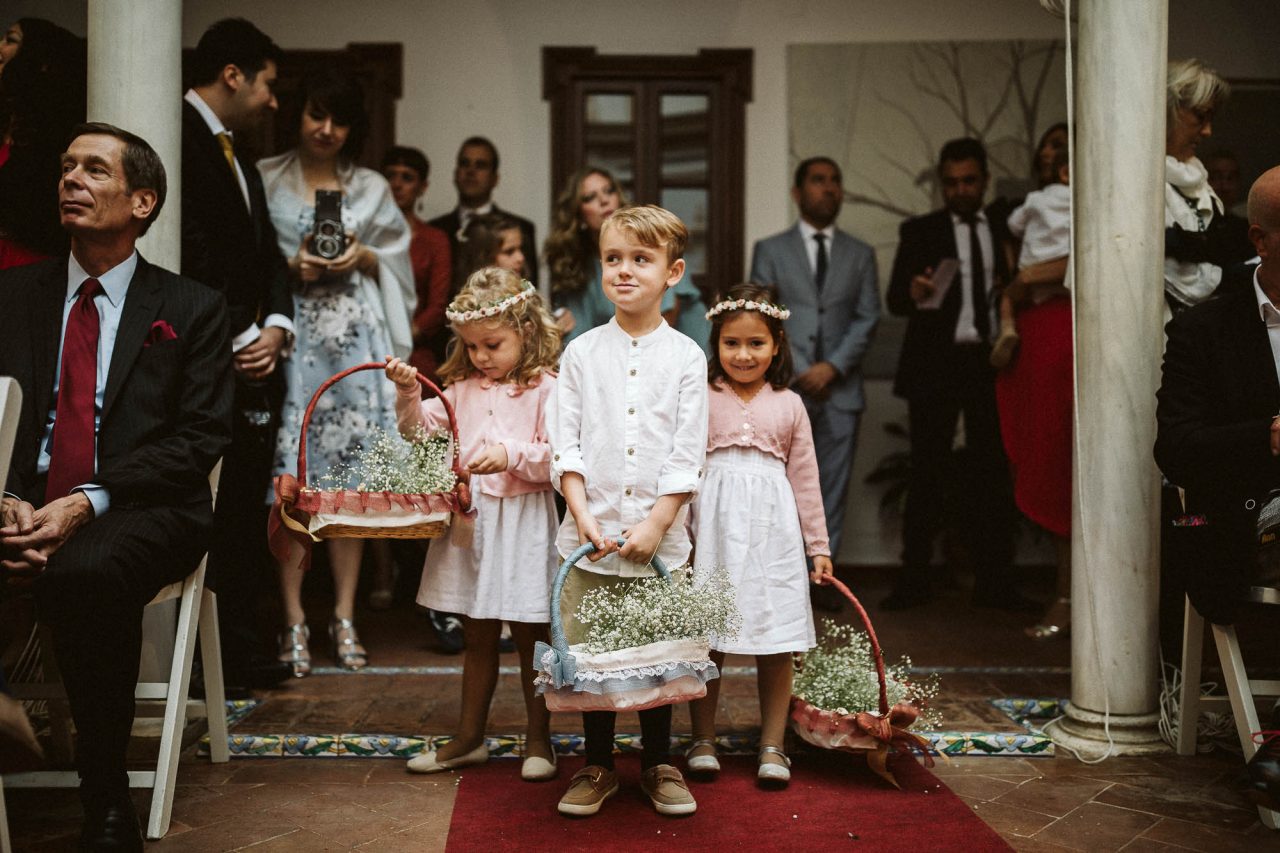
x,y
428,763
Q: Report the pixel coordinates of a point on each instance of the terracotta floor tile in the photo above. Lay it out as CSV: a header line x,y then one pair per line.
x,y
1054,797
311,770
976,787
1035,845
1177,801
301,841
338,819
1096,827
1198,836
235,800
229,834
1146,845
1009,820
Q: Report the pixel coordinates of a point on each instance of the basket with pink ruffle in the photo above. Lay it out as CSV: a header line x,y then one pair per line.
x,y
305,515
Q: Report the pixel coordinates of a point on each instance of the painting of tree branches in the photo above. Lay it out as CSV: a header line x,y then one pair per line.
x,y
883,110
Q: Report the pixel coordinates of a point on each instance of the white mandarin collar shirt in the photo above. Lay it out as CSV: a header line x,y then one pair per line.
x,y
811,245
1271,317
630,416
966,331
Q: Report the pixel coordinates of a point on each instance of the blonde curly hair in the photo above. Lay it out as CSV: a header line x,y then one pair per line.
x,y
540,336
570,248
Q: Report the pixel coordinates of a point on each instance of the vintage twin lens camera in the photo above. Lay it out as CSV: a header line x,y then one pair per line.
x,y
328,239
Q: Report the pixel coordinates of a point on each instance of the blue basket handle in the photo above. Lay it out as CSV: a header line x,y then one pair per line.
x,y
558,641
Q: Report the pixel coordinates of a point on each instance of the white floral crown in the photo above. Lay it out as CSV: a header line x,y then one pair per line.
x,y
778,312
492,309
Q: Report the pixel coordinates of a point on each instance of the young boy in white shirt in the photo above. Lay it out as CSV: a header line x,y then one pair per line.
x,y
628,428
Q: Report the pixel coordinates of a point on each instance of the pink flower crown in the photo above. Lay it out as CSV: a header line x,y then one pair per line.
x,y
778,312
493,309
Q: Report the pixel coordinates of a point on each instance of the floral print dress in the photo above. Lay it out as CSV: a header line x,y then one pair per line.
x,y
341,322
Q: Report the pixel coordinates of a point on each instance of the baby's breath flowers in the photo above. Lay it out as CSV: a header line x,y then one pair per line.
x,y
840,675
386,462
650,610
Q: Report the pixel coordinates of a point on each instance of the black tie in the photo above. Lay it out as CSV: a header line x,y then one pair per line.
x,y
977,283
820,269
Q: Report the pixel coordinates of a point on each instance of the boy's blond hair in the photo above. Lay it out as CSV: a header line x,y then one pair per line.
x,y
540,352
652,226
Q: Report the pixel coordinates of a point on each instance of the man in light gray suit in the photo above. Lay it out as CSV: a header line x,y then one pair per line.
x,y
828,280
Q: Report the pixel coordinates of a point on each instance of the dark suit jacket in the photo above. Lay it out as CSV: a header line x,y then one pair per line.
x,y
166,415
225,245
1215,404
450,222
926,367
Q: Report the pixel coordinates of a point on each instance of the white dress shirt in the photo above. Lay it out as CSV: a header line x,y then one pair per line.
x,y
966,331
110,305
630,416
246,336
1271,317
811,245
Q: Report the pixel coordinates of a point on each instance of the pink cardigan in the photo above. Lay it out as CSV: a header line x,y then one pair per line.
x,y
491,413
776,423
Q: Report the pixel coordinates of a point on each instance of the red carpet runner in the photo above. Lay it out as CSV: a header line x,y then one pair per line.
x,y
833,803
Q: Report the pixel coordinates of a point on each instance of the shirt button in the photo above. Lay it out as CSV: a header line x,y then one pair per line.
x,y
491,413
631,411
631,451
628,491
635,343
633,371
557,457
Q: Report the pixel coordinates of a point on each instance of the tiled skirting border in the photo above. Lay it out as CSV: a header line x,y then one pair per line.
x,y
1027,742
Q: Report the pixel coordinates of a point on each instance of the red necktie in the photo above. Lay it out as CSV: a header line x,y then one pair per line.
x,y
72,454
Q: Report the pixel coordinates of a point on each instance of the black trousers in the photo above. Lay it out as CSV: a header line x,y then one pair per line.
x,y
91,595
979,481
240,569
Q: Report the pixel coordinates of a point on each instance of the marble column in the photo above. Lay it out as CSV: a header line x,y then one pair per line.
x,y
1119,219
135,82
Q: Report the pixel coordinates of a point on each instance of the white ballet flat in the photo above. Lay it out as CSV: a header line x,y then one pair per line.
x,y
702,765
779,774
428,763
535,768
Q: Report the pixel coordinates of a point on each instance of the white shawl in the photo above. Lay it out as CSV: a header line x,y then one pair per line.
x,y
370,212
1187,184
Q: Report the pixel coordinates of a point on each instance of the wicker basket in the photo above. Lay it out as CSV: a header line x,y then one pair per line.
x,y
631,679
307,515
862,732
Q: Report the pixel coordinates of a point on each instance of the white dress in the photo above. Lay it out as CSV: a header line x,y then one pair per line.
x,y
757,516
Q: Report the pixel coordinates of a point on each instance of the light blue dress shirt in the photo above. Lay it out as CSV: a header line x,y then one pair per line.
x,y
110,305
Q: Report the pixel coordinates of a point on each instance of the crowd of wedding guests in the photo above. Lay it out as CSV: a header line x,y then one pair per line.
x,y
984,287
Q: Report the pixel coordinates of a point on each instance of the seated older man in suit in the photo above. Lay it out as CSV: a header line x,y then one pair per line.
x,y
1218,432
828,279
126,376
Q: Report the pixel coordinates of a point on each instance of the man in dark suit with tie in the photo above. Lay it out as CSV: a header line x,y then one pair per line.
x,y
126,379
1218,437
828,280
944,370
228,243
475,176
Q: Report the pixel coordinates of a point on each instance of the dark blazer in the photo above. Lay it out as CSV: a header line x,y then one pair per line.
x,y
166,415
450,222
843,318
1215,404
926,367
229,247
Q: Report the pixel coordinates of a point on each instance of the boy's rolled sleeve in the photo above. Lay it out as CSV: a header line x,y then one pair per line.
x,y
682,471
564,421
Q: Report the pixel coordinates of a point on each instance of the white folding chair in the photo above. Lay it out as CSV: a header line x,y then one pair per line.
x,y
197,614
10,404
1240,689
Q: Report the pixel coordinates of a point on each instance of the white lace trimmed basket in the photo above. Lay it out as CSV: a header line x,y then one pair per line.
x,y
631,679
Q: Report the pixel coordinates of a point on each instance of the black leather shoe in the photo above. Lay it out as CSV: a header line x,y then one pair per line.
x,y
1264,767
113,828
448,630
905,599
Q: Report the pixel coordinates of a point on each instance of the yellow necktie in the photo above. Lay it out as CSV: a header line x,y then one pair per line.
x,y
224,139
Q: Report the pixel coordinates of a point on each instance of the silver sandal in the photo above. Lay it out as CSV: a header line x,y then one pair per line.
x,y
347,651
293,649
774,773
702,765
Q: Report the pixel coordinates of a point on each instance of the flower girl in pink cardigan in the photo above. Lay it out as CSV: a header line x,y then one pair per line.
x,y
757,515
498,373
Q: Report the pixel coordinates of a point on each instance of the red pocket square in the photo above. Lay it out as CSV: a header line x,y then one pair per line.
x,y
160,331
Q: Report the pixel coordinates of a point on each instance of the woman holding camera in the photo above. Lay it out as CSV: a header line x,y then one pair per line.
x,y
353,293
